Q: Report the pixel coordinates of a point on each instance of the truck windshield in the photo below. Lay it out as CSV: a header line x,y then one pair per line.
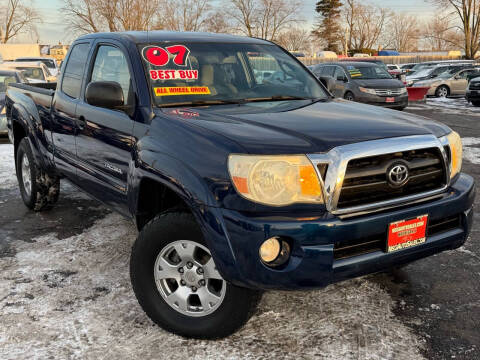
x,y
219,73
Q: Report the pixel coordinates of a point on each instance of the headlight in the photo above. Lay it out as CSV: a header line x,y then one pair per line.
x,y
403,90
275,180
368,91
3,110
455,143
409,82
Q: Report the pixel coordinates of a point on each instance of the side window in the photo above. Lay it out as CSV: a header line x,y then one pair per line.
x,y
339,74
111,65
328,71
72,79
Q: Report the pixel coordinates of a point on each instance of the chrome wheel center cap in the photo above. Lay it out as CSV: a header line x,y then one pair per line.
x,y
191,278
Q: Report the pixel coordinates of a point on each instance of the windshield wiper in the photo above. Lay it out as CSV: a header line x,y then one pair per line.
x,y
279,98
203,103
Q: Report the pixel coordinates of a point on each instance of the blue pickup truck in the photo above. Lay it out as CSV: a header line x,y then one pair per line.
x,y
239,169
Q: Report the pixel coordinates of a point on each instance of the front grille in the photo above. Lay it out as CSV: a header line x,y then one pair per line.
x,y
346,249
389,92
366,182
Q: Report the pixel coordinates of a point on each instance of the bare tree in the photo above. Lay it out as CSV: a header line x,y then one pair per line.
x,y
364,24
184,15
403,34
468,12
17,17
439,34
263,18
113,15
217,23
294,39
244,14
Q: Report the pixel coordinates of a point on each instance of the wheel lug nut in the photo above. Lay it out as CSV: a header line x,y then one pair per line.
x,y
199,271
201,282
180,270
194,288
189,264
182,282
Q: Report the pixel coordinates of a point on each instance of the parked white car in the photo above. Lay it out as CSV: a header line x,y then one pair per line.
x,y
35,72
49,62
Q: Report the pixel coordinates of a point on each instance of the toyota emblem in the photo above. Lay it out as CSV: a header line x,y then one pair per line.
x,y
398,175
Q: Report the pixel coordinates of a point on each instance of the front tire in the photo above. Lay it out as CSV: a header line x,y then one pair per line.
x,y
39,190
176,282
442,91
349,96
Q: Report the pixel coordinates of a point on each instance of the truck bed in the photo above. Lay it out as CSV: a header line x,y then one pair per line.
x,y
41,94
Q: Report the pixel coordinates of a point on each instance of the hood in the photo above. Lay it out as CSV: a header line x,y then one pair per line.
x,y
313,128
379,83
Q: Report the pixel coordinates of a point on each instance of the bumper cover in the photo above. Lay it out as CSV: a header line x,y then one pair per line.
x,y
235,238
400,101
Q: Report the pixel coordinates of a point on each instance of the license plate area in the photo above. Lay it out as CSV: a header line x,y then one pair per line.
x,y
390,100
407,233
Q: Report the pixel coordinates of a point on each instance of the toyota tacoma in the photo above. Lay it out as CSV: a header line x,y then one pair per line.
x,y
239,169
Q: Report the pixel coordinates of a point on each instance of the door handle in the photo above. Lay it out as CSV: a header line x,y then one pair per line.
x,y
81,123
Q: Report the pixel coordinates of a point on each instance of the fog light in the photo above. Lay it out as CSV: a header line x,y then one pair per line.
x,y
270,249
275,252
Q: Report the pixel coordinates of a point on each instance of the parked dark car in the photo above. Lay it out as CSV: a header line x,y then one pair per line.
x,y
237,183
364,82
473,91
7,77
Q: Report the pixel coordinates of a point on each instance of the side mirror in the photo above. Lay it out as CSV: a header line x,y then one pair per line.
x,y
105,94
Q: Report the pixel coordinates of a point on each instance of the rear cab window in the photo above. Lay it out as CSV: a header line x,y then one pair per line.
x,y
73,70
186,73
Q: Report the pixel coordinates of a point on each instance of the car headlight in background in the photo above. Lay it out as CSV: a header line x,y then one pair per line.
x,y
403,90
275,180
368,91
455,143
3,110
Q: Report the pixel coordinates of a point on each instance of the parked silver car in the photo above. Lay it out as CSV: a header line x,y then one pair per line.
x,y
7,77
449,83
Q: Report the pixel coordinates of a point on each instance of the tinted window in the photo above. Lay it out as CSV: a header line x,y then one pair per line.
x,y
35,73
111,65
72,80
339,73
328,71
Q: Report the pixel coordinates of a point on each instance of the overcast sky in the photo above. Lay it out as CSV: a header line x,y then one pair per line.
x,y
53,28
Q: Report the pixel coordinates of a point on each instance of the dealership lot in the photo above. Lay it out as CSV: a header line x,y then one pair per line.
x,y
65,290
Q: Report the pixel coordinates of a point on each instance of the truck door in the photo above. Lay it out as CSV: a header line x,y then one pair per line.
x,y
104,139
63,109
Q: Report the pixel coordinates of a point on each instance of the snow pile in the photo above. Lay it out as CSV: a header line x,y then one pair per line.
x,y
72,298
471,149
8,178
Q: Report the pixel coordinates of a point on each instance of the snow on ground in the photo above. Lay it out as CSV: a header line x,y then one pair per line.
x,y
7,167
471,149
449,105
72,298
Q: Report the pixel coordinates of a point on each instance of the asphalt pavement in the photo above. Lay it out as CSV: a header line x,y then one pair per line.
x,y
65,291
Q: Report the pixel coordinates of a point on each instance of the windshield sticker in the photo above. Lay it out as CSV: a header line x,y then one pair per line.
x,y
174,74
181,90
354,72
159,56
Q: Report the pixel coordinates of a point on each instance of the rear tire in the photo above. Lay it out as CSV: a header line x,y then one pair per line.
x,y
165,281
39,190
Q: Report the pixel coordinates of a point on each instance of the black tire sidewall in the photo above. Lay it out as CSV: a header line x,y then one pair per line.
x,y
349,94
24,148
158,233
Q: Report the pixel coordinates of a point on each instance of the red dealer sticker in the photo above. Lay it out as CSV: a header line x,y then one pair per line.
x,y
174,74
158,56
407,233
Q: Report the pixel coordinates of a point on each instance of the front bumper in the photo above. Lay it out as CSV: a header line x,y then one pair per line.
x,y
473,95
400,101
235,238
